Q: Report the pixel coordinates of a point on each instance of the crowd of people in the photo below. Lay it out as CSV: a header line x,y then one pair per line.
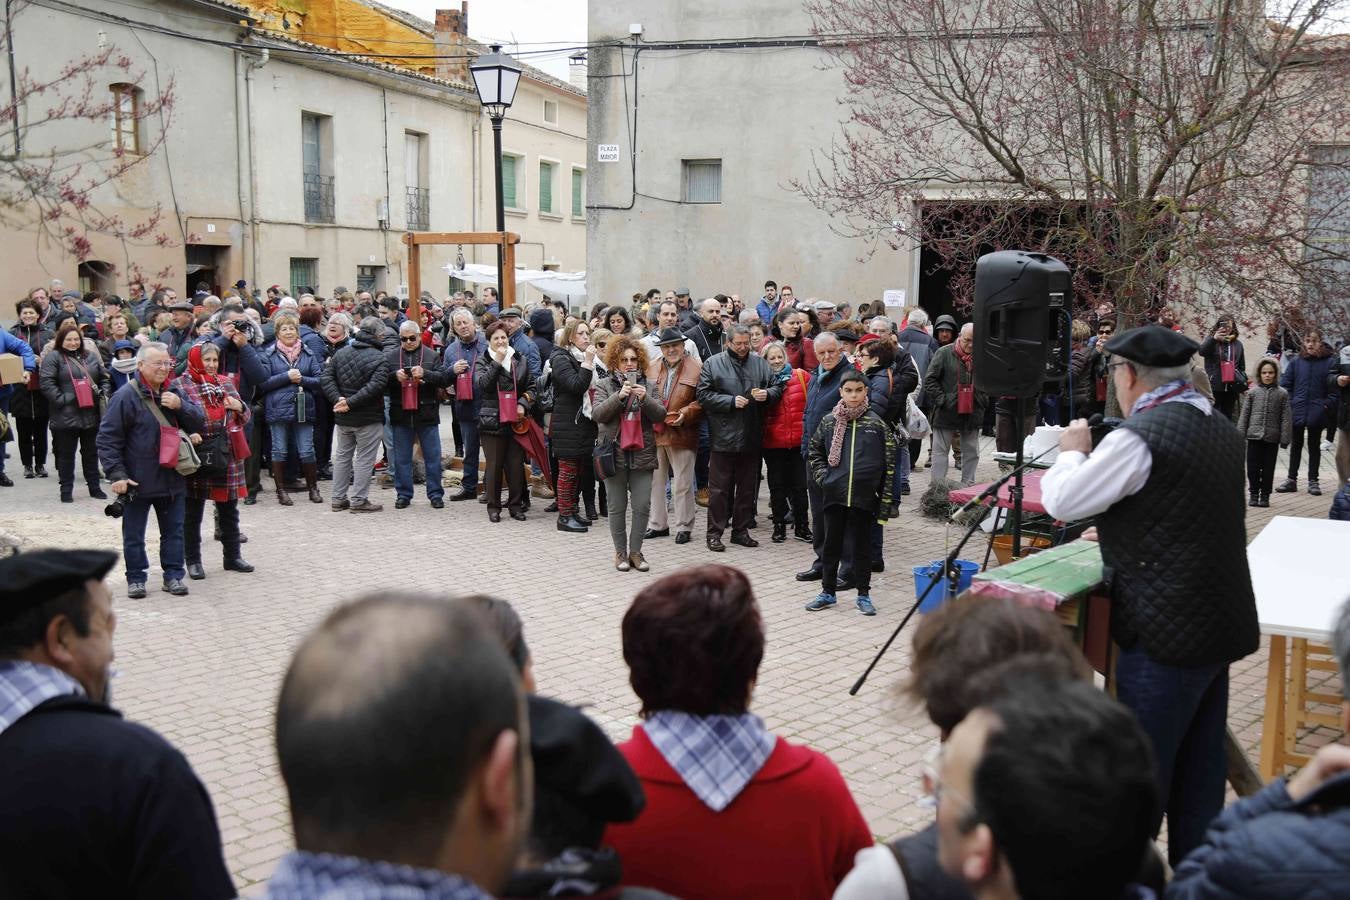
x,y
422,758
636,413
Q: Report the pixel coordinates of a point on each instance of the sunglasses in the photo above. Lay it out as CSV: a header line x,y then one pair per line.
x,y
409,340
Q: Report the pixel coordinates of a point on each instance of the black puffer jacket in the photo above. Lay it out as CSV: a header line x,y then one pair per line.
x,y
54,375
24,403
572,434
434,377
724,378
489,377
360,373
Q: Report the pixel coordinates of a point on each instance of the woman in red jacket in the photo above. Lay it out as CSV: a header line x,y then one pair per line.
x,y
783,447
732,811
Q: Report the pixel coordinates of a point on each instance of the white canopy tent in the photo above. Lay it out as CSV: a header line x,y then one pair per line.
x,y
556,284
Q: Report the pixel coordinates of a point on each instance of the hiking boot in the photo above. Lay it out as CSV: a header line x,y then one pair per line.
x,y
365,506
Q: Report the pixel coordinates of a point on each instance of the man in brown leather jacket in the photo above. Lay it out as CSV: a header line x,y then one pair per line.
x,y
674,378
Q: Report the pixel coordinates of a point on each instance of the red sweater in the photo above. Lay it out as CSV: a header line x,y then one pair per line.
x,y
792,832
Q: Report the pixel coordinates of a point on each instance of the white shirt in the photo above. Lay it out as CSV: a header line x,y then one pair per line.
x,y
875,875
1079,486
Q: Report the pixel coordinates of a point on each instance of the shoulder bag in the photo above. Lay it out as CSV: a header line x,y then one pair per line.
x,y
175,450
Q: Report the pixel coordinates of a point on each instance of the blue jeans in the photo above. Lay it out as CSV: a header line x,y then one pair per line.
x,y
286,435
901,468
169,516
429,436
1184,711
467,417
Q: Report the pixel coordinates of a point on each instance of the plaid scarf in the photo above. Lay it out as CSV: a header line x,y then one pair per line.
x,y
24,686
320,876
715,756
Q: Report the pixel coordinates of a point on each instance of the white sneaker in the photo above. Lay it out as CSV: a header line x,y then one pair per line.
x,y
1327,446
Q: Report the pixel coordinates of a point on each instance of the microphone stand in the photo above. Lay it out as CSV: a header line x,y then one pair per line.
x,y
950,573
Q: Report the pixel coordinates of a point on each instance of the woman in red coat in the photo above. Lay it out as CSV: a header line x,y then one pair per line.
x,y
732,811
783,447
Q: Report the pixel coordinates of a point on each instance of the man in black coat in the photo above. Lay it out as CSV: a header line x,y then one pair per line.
x,y
90,805
354,382
735,390
417,370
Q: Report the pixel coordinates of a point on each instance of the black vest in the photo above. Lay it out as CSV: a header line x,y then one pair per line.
x,y
1176,552
917,855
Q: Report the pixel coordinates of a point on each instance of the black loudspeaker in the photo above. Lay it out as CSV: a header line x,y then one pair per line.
x,y
1023,323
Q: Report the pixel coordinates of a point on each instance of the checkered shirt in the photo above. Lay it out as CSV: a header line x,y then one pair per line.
x,y
716,756
24,686
323,876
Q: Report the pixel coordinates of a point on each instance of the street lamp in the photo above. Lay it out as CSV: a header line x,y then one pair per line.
x,y
496,77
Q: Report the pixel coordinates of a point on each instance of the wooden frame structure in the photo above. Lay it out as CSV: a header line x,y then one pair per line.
x,y
414,240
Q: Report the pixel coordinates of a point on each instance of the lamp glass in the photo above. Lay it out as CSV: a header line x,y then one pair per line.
x,y
496,77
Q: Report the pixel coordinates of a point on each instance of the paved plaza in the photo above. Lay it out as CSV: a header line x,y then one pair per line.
x,y
205,670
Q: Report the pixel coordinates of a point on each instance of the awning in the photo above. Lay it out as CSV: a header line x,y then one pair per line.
x,y
555,284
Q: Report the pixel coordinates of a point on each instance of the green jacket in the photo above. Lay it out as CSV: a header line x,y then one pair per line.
x,y
866,464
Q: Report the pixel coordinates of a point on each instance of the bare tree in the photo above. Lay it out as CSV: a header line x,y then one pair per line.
x,y
67,142
1162,148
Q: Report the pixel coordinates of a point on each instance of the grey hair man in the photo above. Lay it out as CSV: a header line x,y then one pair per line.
x,y
1171,464
415,413
354,381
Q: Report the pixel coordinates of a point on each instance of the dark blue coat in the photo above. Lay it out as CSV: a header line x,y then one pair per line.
x,y
1268,846
278,393
95,806
314,342
1306,381
128,440
246,361
822,393
455,350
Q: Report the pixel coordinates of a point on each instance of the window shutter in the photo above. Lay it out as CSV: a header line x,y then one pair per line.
x,y
509,181
545,187
577,183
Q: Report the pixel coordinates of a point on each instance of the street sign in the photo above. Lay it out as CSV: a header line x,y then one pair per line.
x,y
607,153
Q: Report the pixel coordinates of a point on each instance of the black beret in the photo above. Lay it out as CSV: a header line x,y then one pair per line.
x,y
30,579
574,760
1153,345
845,334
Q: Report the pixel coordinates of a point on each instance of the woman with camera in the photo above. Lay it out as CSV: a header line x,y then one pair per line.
x,y
624,412
221,478
506,393
1225,364
75,384
289,403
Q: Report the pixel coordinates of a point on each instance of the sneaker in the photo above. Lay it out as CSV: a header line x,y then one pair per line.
x,y
865,605
136,590
176,587
822,601
1255,500
27,471
365,506
41,471
621,563
1288,486
1314,488
638,561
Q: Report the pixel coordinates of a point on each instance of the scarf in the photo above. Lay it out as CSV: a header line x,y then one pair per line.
x,y
124,366
208,385
586,395
782,375
843,415
715,756
292,353
1179,391
964,357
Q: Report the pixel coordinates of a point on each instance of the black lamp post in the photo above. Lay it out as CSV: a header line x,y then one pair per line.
x,y
496,77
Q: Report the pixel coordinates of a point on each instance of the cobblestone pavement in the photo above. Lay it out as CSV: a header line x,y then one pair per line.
x,y
205,670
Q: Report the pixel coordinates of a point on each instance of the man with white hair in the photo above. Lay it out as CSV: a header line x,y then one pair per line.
x,y
918,343
129,443
415,413
1182,606
822,394
354,382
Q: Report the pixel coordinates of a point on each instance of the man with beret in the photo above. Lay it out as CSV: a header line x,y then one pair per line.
x,y
90,805
1166,489
181,331
520,341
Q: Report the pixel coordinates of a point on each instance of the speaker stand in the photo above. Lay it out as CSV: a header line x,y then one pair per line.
x,y
1015,493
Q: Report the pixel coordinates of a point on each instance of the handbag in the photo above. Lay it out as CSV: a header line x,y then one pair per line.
x,y
464,385
408,389
507,403
1227,371
214,453
630,431
965,399
604,458
84,391
234,430
175,450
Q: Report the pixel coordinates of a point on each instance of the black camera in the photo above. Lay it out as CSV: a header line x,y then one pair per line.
x,y
244,327
115,509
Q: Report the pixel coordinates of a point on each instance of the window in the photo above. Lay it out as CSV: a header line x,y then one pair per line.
x,y
551,112
512,191
126,118
303,275
369,278
415,178
316,137
702,180
546,173
578,193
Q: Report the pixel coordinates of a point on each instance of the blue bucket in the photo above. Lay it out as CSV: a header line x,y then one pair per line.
x,y
923,575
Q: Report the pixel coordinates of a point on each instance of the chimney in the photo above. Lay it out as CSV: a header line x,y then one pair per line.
x,y
576,70
452,32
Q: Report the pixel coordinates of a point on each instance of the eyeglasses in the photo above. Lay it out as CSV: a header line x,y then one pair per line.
x,y
1106,331
410,340
631,359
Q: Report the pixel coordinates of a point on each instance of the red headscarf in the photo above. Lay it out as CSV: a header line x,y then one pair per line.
x,y
213,395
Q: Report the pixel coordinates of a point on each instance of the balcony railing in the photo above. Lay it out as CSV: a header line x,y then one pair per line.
x,y
318,198
419,209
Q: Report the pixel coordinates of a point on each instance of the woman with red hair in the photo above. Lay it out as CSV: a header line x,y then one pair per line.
x,y
224,409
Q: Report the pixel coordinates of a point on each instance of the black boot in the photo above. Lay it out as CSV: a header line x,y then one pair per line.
x,y
1254,500
779,533
1263,500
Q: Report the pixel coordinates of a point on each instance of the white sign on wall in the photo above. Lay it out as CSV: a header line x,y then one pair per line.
x,y
893,298
607,153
